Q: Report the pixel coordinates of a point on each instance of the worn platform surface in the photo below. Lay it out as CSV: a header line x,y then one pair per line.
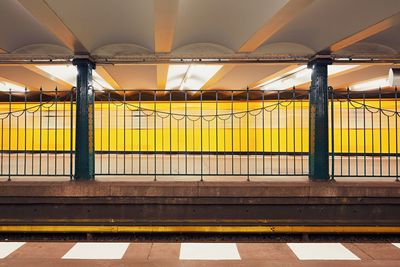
x,y
199,254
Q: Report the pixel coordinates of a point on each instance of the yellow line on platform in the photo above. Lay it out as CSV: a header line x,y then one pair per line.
x,y
198,229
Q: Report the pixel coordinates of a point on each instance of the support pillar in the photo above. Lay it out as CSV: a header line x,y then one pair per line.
x,y
318,119
84,144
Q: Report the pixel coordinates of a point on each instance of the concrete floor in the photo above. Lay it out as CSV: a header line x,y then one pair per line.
x,y
199,254
174,167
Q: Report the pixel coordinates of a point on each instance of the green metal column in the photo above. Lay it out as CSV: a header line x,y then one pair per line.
x,y
318,119
84,151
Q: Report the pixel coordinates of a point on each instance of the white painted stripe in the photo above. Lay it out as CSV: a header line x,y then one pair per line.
x,y
209,251
396,244
321,251
100,251
6,248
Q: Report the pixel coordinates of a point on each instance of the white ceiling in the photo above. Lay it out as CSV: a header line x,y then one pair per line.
x,y
127,28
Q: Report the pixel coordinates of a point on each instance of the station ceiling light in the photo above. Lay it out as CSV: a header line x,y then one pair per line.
x,y
190,76
68,73
300,75
7,87
370,85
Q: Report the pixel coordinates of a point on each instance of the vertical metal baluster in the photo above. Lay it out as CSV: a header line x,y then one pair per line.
x,y
332,133
48,140
101,135
279,134
348,132
286,139
2,145
373,144
55,134
132,140
341,137
17,148
71,135
263,132
240,145
397,136
147,144
380,131
40,132
170,132
63,138
155,134
216,128
140,132
193,147
270,141
301,136
365,137
25,128
124,107
201,135
294,129
33,140
255,145
186,140
162,143
177,151
9,135
225,147
388,144
247,134
209,146
109,133
356,129
116,138
232,130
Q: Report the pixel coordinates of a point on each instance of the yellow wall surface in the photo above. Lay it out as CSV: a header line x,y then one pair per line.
x,y
135,127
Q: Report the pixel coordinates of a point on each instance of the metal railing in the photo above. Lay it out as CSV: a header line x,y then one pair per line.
x,y
201,133
364,133
37,133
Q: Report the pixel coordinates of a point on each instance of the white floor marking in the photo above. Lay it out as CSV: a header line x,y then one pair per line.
x,y
6,248
321,251
101,251
396,244
209,251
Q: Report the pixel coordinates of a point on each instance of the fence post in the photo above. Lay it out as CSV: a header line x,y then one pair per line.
x,y
318,125
84,145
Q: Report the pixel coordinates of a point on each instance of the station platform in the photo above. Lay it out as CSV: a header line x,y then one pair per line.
x,y
198,254
285,206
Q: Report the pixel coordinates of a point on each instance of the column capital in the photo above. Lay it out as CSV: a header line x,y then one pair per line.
x,y
320,60
84,60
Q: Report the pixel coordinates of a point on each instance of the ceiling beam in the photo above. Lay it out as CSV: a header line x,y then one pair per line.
x,y
162,74
42,12
101,70
165,14
2,79
366,33
273,76
46,75
286,14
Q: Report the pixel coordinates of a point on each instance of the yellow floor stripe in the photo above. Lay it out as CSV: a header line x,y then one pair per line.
x,y
199,229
